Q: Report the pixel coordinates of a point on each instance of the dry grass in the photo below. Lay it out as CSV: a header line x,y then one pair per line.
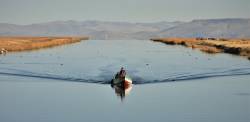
x,y
12,44
232,46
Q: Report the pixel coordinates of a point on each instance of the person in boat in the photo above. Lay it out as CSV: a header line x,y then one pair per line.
x,y
122,73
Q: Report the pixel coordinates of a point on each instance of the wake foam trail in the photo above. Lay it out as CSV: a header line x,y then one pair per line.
x,y
189,76
24,73
136,79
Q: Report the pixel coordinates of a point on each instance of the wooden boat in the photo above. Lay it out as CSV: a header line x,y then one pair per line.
x,y
117,80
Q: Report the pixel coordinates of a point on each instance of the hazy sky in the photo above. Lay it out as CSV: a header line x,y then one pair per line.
x,y
35,11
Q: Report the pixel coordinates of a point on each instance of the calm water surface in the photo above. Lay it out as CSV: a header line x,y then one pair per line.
x,y
171,83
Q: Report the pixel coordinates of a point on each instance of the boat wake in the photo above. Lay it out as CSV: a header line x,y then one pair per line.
x,y
136,79
204,75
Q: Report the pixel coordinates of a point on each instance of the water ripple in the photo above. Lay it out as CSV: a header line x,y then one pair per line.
x,y
136,79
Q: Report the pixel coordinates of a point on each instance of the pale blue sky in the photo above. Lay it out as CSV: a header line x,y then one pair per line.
x,y
35,11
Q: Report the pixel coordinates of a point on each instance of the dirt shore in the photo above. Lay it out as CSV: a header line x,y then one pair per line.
x,y
14,44
212,45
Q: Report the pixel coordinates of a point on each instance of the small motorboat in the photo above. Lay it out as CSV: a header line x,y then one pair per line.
x,y
121,79
122,83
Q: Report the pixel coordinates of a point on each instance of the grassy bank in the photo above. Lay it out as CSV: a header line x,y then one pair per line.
x,y
212,45
13,44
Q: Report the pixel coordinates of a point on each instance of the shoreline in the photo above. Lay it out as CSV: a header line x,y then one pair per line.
x,y
18,44
239,47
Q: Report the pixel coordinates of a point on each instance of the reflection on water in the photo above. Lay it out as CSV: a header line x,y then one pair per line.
x,y
122,90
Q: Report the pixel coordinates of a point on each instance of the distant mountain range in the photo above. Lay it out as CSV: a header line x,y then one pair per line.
x,y
226,28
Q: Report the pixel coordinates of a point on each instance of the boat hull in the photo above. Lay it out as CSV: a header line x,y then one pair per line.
x,y
126,81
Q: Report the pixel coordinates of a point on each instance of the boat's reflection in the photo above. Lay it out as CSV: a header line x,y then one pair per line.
x,y
122,90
